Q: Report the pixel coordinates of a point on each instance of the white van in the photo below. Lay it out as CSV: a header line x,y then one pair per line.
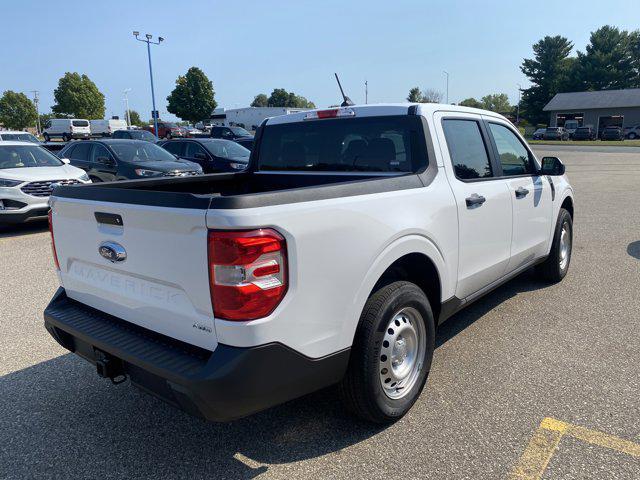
x,y
104,128
66,128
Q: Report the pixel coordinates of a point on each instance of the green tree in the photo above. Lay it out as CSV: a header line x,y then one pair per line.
x,y
281,98
193,97
260,100
470,102
415,95
549,73
77,96
134,118
424,96
496,102
17,111
607,62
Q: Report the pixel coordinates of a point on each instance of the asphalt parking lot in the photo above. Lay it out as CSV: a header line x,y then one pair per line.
x,y
533,381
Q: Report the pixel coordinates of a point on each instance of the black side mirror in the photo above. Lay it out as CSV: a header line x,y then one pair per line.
x,y
552,166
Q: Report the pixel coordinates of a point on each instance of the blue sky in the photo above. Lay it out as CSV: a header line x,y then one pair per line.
x,y
251,46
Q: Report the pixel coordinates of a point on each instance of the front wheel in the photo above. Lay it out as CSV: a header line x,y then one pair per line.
x,y
556,266
391,354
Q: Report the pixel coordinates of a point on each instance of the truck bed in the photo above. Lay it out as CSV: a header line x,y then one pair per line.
x,y
238,190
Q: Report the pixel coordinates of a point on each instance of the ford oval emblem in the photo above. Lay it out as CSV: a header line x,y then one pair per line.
x,y
112,251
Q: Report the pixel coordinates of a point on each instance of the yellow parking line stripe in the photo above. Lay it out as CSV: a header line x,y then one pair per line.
x,y
537,455
545,441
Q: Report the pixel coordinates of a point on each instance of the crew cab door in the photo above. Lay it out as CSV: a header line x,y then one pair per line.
x,y
530,194
483,201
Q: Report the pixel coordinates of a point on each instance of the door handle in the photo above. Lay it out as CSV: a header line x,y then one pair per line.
x,y
475,200
521,192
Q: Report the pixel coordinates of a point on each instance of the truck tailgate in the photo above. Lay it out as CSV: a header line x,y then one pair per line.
x,y
161,285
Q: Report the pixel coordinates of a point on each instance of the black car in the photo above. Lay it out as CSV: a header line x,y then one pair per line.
x,y
229,133
584,133
213,154
119,159
612,133
134,135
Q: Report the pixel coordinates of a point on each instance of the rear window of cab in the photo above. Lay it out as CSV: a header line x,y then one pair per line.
x,y
385,144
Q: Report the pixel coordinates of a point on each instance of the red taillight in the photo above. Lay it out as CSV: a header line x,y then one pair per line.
x,y
247,272
53,242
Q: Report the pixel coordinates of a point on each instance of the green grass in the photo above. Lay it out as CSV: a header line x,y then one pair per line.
x,y
598,143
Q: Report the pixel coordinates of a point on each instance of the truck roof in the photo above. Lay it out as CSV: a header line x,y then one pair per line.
x,y
382,109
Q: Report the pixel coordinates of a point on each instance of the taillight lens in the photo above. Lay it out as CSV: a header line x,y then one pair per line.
x,y
247,272
53,242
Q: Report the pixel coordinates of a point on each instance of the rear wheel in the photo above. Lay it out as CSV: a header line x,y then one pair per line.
x,y
94,179
391,354
556,266
66,137
46,136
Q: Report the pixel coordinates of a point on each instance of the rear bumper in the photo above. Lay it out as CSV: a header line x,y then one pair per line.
x,y
223,385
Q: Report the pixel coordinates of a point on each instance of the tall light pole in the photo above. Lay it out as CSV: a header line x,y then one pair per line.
x,y
126,106
366,92
35,101
518,109
148,41
447,74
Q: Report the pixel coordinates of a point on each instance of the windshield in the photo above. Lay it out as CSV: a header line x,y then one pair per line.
x,y
80,123
369,144
23,156
239,131
21,137
141,152
227,149
142,135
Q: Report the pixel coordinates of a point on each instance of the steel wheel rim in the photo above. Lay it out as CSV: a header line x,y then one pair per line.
x,y
402,353
565,246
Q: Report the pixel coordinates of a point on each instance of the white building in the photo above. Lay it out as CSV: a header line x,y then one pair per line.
x,y
249,117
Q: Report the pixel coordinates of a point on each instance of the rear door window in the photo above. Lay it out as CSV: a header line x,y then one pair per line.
x,y
386,144
193,148
467,149
177,148
80,123
81,151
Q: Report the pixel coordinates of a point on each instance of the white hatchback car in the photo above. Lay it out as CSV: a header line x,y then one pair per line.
x,y
28,175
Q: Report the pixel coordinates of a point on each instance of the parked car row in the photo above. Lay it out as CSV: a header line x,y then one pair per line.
x,y
587,133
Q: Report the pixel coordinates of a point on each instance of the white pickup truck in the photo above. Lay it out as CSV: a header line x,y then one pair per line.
x,y
332,259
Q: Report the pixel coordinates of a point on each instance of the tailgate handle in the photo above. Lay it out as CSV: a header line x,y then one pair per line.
x,y
109,219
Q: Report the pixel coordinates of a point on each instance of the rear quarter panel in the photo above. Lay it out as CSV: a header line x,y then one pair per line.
x,y
337,250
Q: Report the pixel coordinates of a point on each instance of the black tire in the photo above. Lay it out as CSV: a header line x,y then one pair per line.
x,y
66,137
95,179
361,388
46,136
554,269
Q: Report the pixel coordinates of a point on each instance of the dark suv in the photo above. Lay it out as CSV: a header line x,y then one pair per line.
x,y
108,160
237,134
134,135
212,154
612,133
585,133
555,133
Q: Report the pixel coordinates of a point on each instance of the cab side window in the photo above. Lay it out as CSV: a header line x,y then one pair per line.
x,y
467,149
512,154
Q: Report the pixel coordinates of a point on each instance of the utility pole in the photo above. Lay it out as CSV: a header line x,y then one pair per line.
x,y
366,92
148,41
518,108
36,99
447,74
126,106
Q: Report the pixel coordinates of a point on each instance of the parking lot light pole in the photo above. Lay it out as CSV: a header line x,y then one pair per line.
x,y
518,109
447,74
126,106
148,41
